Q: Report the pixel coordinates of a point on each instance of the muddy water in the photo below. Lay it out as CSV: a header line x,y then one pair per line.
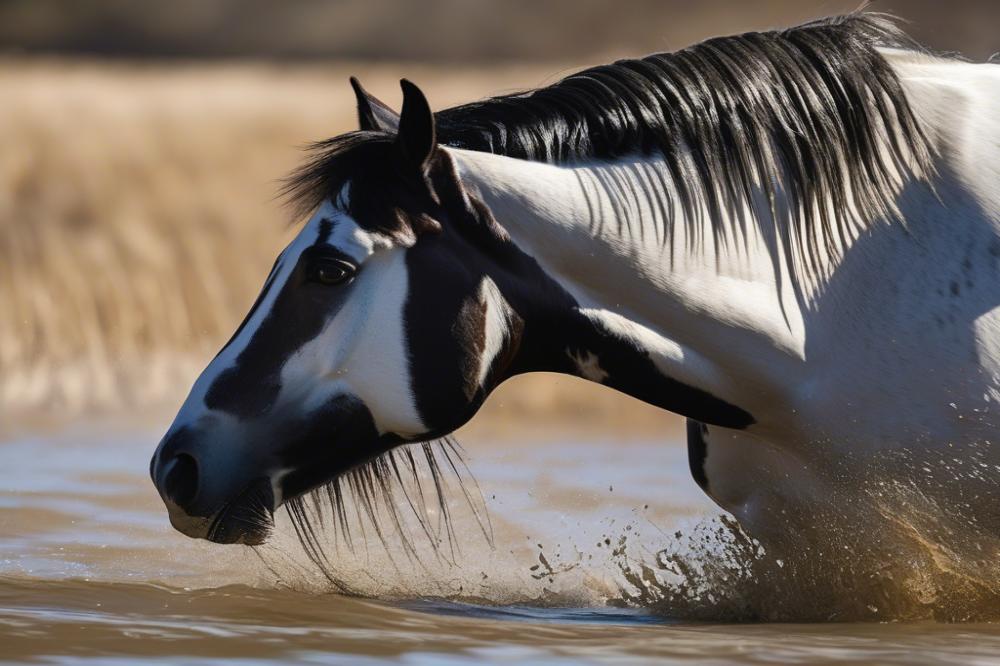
x,y
91,572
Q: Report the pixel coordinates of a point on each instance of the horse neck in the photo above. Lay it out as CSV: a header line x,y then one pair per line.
x,y
723,318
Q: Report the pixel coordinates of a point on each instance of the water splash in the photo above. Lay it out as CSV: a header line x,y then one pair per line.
x,y
887,551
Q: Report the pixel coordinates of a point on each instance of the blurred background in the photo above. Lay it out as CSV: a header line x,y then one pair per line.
x,y
444,31
143,144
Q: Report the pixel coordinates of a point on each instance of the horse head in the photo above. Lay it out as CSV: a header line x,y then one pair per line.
x,y
387,320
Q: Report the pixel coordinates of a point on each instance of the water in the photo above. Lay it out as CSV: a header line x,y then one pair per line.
x,y
90,572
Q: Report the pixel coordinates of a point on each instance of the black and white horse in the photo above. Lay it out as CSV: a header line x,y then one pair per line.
x,y
791,238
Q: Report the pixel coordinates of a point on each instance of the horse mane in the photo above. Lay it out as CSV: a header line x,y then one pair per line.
x,y
722,95
812,113
814,110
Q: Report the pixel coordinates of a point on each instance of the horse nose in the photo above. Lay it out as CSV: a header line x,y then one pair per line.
x,y
174,469
179,480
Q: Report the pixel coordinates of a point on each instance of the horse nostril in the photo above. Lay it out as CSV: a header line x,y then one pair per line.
x,y
180,483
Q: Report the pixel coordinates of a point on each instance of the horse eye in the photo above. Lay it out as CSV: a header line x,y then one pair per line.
x,y
331,271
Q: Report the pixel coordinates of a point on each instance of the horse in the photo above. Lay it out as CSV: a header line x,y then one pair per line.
x,y
791,238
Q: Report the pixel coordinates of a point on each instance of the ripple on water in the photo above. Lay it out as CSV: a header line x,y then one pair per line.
x,y
603,552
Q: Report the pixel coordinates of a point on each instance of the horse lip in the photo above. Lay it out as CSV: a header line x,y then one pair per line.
x,y
247,518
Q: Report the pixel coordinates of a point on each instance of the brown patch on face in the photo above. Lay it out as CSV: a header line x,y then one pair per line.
x,y
470,331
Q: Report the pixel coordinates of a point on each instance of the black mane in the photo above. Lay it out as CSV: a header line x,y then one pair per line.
x,y
702,95
814,111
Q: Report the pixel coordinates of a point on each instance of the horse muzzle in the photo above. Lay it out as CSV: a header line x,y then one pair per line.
x,y
228,509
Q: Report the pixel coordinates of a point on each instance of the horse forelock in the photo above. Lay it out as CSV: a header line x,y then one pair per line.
x,y
385,198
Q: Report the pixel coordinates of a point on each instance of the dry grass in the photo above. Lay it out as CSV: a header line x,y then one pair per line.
x,y
138,220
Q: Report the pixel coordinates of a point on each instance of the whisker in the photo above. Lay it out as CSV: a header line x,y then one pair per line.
x,y
371,493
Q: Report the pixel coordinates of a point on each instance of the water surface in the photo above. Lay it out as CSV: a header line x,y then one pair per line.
x,y
90,572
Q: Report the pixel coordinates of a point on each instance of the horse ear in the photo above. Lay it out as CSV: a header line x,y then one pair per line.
x,y
373,114
417,138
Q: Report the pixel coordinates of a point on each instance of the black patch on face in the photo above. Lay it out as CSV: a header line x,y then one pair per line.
x,y
446,338
328,442
268,283
697,451
298,314
325,231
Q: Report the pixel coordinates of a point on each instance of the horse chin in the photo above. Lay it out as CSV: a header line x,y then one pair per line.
x,y
248,519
